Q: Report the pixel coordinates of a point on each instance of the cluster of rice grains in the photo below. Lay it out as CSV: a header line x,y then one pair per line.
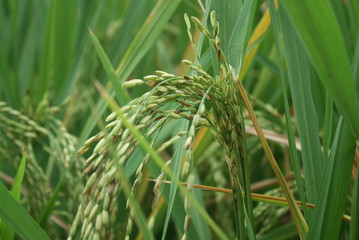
x,y
200,98
20,130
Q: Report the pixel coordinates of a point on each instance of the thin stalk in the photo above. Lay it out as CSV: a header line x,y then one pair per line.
x,y
300,222
257,197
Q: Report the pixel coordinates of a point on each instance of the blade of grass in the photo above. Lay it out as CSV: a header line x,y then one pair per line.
x,y
328,126
146,36
46,211
291,140
305,112
327,217
66,25
322,39
90,16
13,214
176,166
247,178
121,93
5,231
58,47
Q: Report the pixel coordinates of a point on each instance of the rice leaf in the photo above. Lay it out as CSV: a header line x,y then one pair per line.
x,y
323,41
176,166
292,149
146,37
5,231
305,112
60,31
14,215
327,217
121,93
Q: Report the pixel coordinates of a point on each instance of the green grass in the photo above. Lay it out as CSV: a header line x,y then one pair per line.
x,y
106,133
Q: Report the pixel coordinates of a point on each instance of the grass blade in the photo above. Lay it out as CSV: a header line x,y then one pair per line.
x,y
60,31
327,217
305,112
5,230
292,150
146,37
13,214
324,43
176,165
121,93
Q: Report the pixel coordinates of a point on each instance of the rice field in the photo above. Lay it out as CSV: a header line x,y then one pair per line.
x,y
192,120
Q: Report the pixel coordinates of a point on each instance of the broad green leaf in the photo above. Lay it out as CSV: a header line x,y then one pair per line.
x,y
13,214
323,41
227,15
235,19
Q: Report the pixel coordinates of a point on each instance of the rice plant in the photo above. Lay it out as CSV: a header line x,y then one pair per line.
x,y
252,136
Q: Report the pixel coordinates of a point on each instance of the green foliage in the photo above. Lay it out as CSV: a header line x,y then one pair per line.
x,y
269,90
